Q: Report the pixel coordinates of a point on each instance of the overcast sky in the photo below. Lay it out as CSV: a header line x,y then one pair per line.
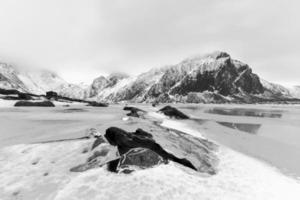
x,y
82,39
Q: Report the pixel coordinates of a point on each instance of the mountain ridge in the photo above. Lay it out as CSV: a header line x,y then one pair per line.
x,y
209,78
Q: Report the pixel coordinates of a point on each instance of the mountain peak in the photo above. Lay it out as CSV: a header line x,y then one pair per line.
x,y
217,54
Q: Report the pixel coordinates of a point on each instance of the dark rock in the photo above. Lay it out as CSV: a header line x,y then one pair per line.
x,y
8,92
140,158
173,112
113,165
24,96
33,104
134,112
10,98
126,141
97,104
51,95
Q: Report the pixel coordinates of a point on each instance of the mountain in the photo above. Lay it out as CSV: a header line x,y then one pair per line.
x,y
211,78
34,81
38,82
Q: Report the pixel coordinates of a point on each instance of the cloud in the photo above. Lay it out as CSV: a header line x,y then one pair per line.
x,y
83,39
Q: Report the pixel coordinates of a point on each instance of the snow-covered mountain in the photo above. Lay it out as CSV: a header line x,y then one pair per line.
x,y
33,81
211,78
214,77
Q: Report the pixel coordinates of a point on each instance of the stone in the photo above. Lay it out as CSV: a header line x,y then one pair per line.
x,y
126,141
97,104
139,158
173,112
134,112
33,104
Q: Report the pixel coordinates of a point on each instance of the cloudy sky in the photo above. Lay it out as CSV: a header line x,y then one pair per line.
x,y
82,39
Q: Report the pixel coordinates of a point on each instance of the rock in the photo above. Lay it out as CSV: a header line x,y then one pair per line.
x,y
139,158
93,132
100,157
51,95
8,92
97,104
24,96
126,141
173,112
98,141
134,112
33,104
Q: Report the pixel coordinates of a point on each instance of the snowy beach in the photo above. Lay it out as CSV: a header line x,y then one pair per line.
x,y
33,170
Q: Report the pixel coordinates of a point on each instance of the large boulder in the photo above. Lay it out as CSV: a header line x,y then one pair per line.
x,y
125,141
139,158
34,104
173,112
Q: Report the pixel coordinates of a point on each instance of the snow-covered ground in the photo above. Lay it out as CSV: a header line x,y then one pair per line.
x,y
41,171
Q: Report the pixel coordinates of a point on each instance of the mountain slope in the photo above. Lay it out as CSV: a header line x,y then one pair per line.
x,y
216,75
34,81
211,78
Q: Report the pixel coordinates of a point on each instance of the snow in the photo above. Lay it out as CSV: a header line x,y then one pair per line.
x,y
41,171
180,126
7,103
239,177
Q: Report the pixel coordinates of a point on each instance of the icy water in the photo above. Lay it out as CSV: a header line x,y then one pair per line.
x,y
268,132
30,125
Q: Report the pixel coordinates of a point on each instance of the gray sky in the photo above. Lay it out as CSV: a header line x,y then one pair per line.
x,y
82,39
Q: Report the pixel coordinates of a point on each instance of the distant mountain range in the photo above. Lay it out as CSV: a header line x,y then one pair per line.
x,y
211,78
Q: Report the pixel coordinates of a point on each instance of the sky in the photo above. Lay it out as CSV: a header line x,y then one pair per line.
x,y
83,39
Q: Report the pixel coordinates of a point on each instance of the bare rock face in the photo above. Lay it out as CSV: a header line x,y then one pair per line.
x,y
216,72
224,75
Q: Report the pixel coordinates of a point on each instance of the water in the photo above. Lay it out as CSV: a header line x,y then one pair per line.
x,y
268,132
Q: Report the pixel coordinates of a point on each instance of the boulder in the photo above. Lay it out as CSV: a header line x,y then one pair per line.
x,y
125,141
134,112
33,104
139,158
97,104
173,112
51,95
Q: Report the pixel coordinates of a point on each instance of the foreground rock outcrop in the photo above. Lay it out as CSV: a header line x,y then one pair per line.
x,y
127,151
126,141
139,158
